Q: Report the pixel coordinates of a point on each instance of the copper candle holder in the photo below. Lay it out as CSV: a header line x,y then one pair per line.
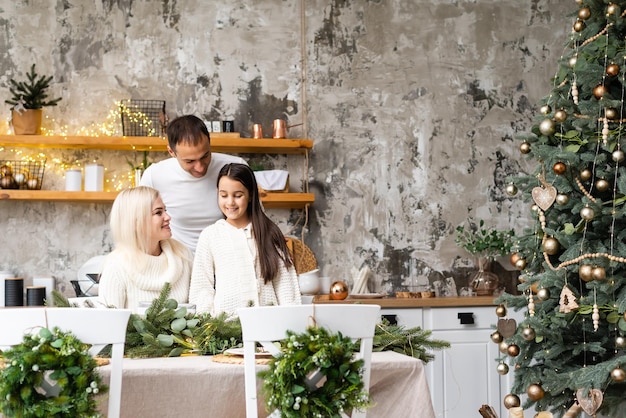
x,y
257,131
280,129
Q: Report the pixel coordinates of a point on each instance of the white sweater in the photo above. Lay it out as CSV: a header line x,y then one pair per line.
x,y
122,285
191,201
226,276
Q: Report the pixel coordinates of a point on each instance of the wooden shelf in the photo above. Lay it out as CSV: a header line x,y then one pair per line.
x,y
228,142
270,200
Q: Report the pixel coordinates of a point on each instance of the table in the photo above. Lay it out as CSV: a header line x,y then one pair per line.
x,y
195,386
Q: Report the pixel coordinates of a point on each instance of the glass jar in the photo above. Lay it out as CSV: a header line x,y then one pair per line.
x,y
484,282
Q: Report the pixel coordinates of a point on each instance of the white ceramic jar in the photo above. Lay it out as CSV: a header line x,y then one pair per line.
x,y
309,282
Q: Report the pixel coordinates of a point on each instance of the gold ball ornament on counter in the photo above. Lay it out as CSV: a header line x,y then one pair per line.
x,y
511,189
338,290
560,116
535,392
612,70
502,368
547,127
562,199
524,147
551,246
501,311
511,401
513,350
584,13
559,168
618,375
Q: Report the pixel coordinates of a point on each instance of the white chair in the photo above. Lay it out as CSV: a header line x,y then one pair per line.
x,y
98,327
268,324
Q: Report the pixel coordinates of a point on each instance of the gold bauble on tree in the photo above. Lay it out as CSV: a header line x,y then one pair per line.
x,y
560,115
602,185
611,9
562,199
545,109
612,70
599,91
501,311
584,13
511,401
551,246
620,341
585,174
587,213
520,264
535,392
617,155
579,25
513,350
513,258
338,291
559,168
584,272
496,337
502,368
610,113
524,147
618,374
547,127
528,333
598,273
543,294
511,189
503,347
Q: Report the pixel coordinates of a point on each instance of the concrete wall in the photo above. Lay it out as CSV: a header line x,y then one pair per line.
x,y
413,107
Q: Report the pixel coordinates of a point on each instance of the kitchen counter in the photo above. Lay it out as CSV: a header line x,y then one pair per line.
x,y
392,302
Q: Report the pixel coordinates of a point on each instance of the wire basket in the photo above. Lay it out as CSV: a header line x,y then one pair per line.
x,y
143,117
21,174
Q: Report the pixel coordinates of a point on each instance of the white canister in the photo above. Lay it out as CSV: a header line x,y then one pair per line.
x,y
73,180
94,178
4,275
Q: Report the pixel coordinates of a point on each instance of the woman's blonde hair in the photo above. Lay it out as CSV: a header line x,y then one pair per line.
x,y
130,221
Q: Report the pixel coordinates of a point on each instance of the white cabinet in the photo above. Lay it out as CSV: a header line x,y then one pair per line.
x,y
463,377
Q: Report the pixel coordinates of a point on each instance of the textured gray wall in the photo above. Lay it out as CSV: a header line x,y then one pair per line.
x,y
413,107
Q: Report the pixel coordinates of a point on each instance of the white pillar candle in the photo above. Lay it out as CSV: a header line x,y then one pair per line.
x,y
73,180
94,178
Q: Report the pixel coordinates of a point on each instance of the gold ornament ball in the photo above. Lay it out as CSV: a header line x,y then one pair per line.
x,y
602,185
610,113
524,147
620,341
611,9
617,155
598,273
511,401
599,91
579,26
585,174
612,70
502,368
562,199
520,264
511,189
551,246
338,291
587,213
545,109
584,13
584,272
513,350
496,337
559,168
504,347
543,294
513,258
501,311
618,374
528,333
572,61
560,115
535,392
547,127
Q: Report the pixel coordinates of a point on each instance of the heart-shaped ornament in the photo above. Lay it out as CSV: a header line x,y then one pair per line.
x,y
544,197
590,403
507,327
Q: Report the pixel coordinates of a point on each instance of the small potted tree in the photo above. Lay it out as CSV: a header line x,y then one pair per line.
x,y
29,99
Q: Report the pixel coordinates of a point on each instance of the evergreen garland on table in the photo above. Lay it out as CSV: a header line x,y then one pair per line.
x,y
55,356
338,385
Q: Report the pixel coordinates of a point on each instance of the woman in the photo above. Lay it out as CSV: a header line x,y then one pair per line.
x,y
241,260
145,255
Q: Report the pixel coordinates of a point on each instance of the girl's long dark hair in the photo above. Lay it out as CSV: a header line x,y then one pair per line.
x,y
270,241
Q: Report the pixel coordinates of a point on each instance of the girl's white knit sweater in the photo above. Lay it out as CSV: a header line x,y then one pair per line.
x,y
125,282
225,273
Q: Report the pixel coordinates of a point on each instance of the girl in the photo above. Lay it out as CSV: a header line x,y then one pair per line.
x,y
145,255
241,260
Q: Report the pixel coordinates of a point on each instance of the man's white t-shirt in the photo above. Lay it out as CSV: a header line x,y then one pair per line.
x,y
190,201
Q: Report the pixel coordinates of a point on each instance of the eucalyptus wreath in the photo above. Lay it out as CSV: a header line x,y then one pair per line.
x,y
49,358
315,376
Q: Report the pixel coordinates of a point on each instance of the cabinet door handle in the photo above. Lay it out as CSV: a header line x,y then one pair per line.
x,y
467,318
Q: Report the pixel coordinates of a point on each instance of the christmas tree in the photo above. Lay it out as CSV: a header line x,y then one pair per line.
x,y
568,353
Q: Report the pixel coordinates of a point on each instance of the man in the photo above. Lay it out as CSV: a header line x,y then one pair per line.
x,y
187,182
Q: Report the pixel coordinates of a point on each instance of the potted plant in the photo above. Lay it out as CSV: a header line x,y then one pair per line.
x,y
29,99
486,244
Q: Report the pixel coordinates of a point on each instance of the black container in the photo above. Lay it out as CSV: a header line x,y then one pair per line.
x,y
14,292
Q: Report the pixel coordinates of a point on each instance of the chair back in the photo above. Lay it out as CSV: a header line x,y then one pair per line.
x,y
97,327
268,324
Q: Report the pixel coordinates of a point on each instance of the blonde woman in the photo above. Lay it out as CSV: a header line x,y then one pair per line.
x,y
145,255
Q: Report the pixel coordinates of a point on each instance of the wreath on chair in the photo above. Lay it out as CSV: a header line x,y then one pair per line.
x,y
315,376
49,374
